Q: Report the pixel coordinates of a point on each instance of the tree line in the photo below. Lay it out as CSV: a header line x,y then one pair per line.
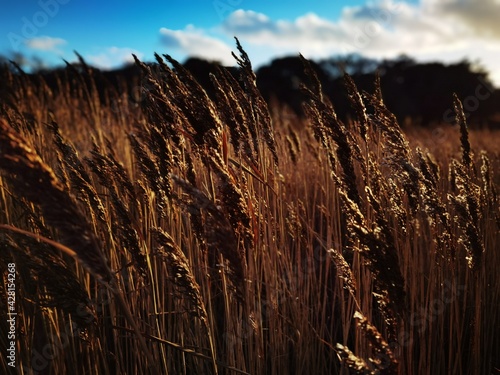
x,y
417,93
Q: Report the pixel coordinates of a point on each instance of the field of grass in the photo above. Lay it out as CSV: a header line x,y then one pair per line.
x,y
166,233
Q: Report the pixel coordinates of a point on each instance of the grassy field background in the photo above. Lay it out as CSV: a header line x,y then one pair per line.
x,y
164,232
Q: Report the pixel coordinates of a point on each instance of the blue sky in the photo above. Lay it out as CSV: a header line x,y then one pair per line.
x,y
106,32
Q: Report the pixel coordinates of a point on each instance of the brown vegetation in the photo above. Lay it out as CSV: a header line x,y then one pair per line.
x,y
224,237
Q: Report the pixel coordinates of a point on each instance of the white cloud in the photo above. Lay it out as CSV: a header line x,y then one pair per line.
x,y
113,57
480,16
379,29
384,29
194,42
45,43
307,34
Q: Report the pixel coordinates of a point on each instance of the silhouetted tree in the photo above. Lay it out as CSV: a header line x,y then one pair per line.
x,y
282,78
353,64
420,92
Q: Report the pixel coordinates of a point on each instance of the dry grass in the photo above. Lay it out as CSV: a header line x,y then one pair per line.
x,y
222,237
